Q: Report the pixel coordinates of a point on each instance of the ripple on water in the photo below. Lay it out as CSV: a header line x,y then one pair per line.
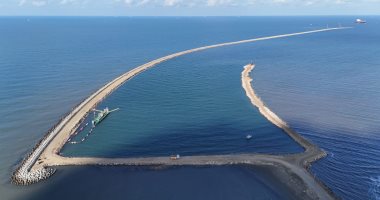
x,y
374,190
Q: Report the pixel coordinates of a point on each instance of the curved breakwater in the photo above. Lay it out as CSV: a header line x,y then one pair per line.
x,y
35,166
312,152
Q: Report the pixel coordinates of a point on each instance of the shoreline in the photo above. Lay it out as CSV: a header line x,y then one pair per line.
x,y
37,165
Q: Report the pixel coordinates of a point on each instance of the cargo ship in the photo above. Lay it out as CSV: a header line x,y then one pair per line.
x,y
101,115
360,21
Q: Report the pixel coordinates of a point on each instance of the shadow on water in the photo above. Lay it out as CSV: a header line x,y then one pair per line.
x,y
222,182
206,139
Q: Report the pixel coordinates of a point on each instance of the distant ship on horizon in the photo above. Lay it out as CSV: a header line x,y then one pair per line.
x,y
360,21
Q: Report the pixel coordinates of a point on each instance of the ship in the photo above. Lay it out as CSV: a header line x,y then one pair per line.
x,y
102,114
360,21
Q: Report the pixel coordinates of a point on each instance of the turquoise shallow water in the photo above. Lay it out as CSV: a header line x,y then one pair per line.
x,y
324,85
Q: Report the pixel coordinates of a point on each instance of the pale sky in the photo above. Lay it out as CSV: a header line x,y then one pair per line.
x,y
187,7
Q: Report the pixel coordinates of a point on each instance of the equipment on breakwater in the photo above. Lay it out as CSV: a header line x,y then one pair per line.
x,y
175,157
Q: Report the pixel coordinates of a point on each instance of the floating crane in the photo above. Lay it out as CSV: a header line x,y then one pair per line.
x,y
101,115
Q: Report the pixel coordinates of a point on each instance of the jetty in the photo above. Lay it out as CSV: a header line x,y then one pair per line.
x,y
312,152
38,165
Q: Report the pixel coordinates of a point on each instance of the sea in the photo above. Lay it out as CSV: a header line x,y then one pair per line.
x,y
324,85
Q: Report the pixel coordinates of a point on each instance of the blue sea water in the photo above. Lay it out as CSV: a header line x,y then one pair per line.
x,y
238,182
192,105
324,85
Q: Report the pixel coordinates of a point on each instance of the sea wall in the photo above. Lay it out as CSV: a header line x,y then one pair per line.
x,y
35,166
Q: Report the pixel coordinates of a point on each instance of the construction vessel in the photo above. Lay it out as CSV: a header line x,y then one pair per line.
x,y
101,115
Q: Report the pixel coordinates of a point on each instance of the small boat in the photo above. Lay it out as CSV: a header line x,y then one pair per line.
x,y
248,137
360,21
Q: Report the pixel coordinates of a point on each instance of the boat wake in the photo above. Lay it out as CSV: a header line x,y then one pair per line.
x,y
374,190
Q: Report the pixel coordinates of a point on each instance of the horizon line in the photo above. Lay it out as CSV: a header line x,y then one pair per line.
x,y
300,15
